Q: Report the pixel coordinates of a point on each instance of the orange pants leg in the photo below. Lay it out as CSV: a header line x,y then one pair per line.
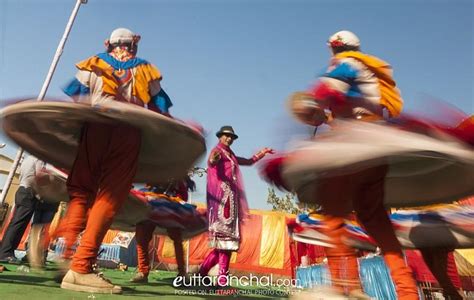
x,y
371,213
112,153
334,195
342,259
74,223
82,187
144,234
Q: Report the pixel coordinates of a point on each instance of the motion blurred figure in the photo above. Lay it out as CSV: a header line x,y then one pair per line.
x,y
27,205
175,189
355,86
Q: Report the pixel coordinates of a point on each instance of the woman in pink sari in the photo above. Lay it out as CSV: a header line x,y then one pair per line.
x,y
226,203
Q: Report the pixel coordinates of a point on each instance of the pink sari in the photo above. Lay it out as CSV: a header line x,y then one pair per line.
x,y
226,202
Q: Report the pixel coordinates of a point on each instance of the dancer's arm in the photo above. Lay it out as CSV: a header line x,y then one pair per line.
x,y
258,156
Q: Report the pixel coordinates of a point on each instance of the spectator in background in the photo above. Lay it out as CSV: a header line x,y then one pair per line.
x,y
26,202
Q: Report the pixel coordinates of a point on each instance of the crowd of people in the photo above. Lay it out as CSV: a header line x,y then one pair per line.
x,y
356,86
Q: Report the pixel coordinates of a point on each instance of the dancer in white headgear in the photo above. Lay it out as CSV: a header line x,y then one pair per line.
x,y
355,86
106,163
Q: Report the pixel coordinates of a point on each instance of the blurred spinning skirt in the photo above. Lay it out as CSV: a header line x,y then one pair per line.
x,y
164,213
445,226
422,169
51,132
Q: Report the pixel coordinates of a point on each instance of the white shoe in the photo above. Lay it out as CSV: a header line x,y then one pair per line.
x,y
90,283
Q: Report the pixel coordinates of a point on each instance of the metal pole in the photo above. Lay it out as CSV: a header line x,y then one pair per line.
x,y
44,89
188,242
199,172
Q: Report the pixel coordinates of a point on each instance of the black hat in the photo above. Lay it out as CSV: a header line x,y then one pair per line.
x,y
227,130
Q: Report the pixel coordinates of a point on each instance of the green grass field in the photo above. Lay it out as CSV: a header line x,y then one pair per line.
x,y
16,285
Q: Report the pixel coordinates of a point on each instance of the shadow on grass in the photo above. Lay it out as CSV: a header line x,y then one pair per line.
x,y
131,291
25,279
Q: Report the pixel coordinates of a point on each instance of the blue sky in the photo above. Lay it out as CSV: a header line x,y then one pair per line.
x,y
235,62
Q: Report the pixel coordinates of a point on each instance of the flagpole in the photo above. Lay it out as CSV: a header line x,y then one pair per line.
x,y
199,172
188,242
44,89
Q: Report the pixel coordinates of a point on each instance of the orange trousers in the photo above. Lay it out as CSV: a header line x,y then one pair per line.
x,y
362,192
98,185
144,234
342,259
